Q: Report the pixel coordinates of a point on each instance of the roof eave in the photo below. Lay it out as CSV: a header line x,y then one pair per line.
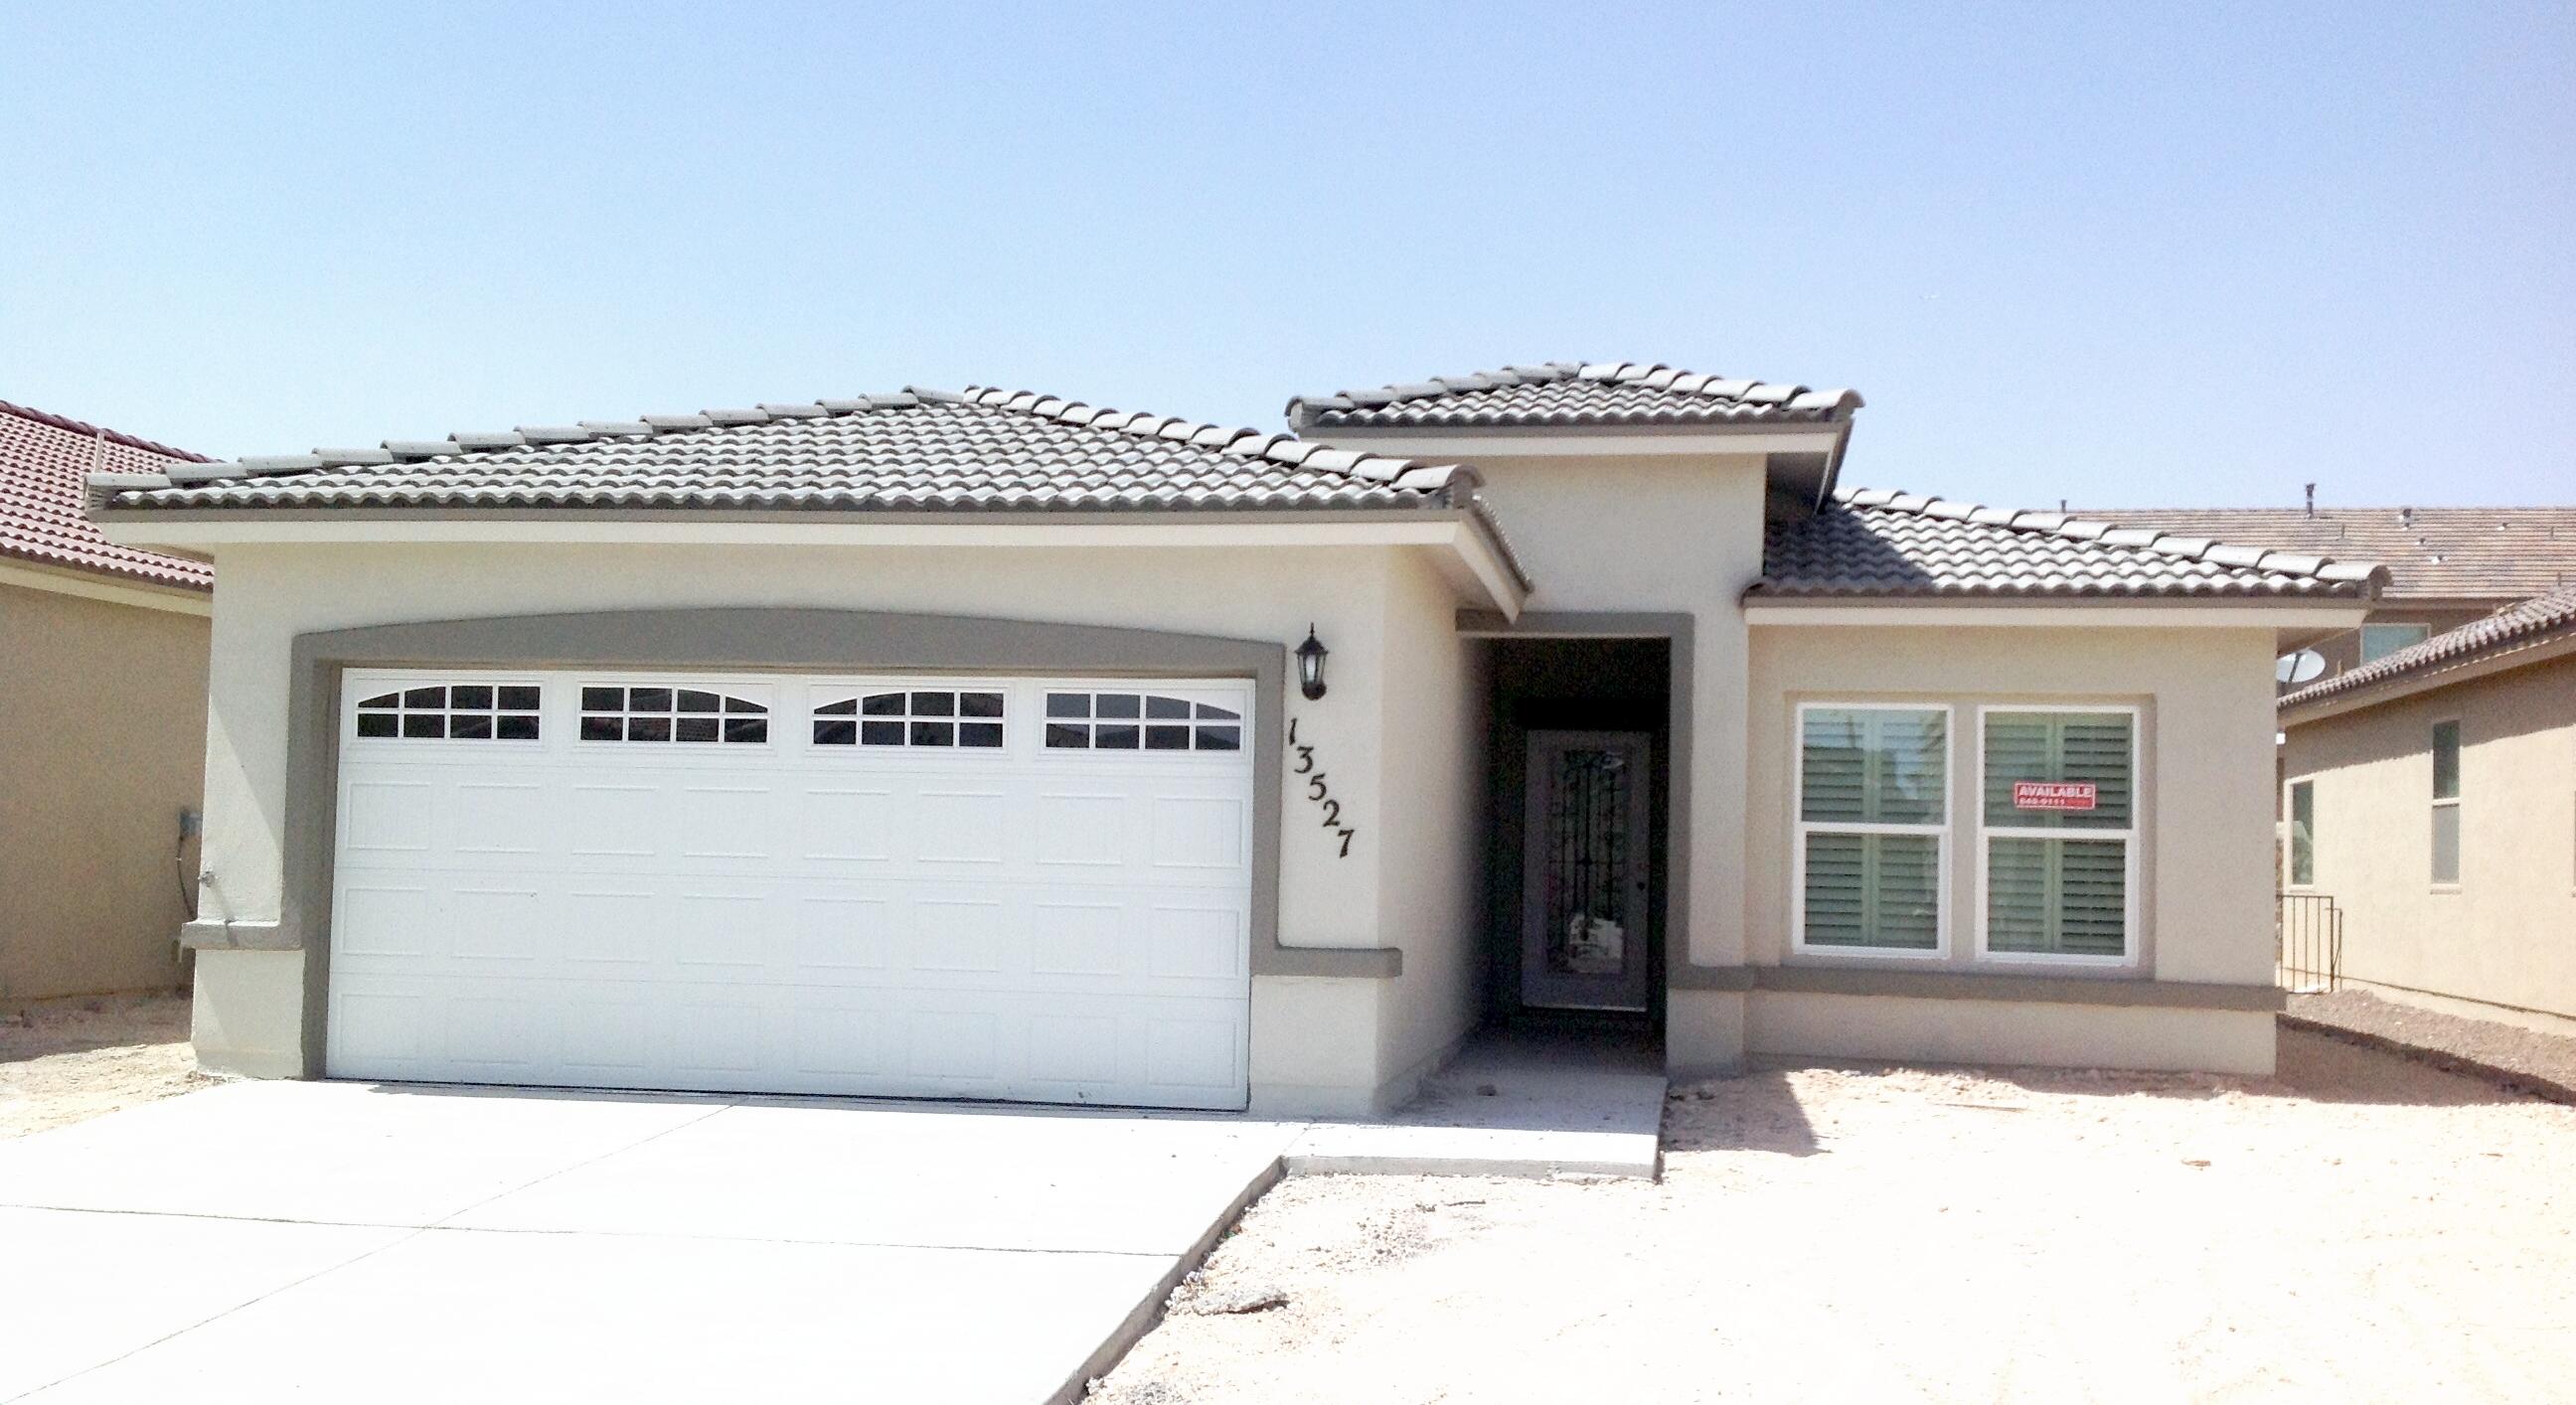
x,y
1467,531
2296,710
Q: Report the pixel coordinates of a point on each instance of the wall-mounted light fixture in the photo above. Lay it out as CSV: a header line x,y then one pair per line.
x,y
1310,665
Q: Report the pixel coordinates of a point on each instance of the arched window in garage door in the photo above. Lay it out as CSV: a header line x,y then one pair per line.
x,y
912,717
1109,721
453,712
615,713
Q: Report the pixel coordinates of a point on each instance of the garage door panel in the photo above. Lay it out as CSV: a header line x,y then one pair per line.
x,y
838,932
897,920
846,825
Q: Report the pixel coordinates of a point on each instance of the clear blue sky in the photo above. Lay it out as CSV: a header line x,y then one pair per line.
x,y
2175,255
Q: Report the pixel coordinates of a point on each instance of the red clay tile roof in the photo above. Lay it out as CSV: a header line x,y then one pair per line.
x,y
44,461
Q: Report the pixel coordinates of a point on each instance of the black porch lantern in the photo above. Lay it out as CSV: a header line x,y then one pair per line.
x,y
1310,665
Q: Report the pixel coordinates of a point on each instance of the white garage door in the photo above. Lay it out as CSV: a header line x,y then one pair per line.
x,y
1026,888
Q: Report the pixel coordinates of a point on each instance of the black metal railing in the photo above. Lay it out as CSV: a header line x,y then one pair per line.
x,y
2307,943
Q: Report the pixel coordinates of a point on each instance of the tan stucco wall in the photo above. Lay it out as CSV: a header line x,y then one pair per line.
x,y
102,743
2506,934
2204,910
1355,597
1432,717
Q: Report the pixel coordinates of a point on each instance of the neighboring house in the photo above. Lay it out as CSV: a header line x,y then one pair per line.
x,y
2447,566
994,745
102,722
2432,796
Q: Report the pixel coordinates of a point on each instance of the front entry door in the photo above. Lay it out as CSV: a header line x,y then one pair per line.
x,y
1585,933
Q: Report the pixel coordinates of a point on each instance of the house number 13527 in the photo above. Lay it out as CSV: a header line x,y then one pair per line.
x,y
1317,791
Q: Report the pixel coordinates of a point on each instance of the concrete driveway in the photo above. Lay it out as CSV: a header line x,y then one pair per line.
x,y
337,1241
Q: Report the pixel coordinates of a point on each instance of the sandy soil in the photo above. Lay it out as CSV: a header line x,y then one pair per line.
x,y
2362,1228
65,1060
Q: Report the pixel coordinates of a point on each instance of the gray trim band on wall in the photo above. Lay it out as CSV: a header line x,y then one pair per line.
x,y
761,638
1978,985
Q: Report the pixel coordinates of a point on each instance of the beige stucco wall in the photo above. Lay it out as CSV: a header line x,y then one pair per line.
x,y
102,729
1433,724
1316,1043
2204,905
2505,935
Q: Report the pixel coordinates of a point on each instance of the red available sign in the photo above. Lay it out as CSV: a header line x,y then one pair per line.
x,y
2054,795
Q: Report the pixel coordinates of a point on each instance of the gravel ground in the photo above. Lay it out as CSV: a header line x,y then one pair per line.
x,y
2361,1228
2536,1062
65,1060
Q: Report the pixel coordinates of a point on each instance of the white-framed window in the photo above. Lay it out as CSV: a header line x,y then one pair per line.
x,y
2446,803
1871,849
507,712
2303,833
970,718
2058,834
2378,641
1133,720
616,712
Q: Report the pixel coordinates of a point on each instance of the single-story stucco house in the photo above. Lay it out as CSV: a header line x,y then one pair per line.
x,y
2431,797
991,745
102,722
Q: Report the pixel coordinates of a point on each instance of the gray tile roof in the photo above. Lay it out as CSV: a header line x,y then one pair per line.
x,y
2538,619
1871,543
2448,553
1569,394
914,450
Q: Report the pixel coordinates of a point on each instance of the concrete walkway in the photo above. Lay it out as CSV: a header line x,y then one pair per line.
x,y
337,1241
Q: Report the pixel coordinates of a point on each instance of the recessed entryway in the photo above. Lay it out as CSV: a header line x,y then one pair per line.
x,y
1580,749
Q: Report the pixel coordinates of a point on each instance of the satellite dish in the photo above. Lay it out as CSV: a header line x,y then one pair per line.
x,y
2305,666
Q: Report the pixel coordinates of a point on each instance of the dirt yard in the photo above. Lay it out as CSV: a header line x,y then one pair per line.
x,y
2362,1228
65,1060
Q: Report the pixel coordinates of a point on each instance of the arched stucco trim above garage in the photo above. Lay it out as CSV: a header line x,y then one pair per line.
x,y
755,639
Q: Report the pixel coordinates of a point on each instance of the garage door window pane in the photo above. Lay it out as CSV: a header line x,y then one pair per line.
x,y
919,717
1111,722
690,716
462,712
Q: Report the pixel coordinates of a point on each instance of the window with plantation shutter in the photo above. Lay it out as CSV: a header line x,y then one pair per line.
x,y
1873,828
2059,833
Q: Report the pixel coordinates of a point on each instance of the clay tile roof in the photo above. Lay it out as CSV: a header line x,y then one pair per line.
x,y
2541,618
915,450
1571,394
44,461
2446,553
1872,543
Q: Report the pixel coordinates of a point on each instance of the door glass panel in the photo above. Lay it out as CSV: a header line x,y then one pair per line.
x,y
1589,909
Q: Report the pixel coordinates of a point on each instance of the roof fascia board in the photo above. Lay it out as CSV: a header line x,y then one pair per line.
x,y
93,585
2425,680
1476,554
2094,613
1639,441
